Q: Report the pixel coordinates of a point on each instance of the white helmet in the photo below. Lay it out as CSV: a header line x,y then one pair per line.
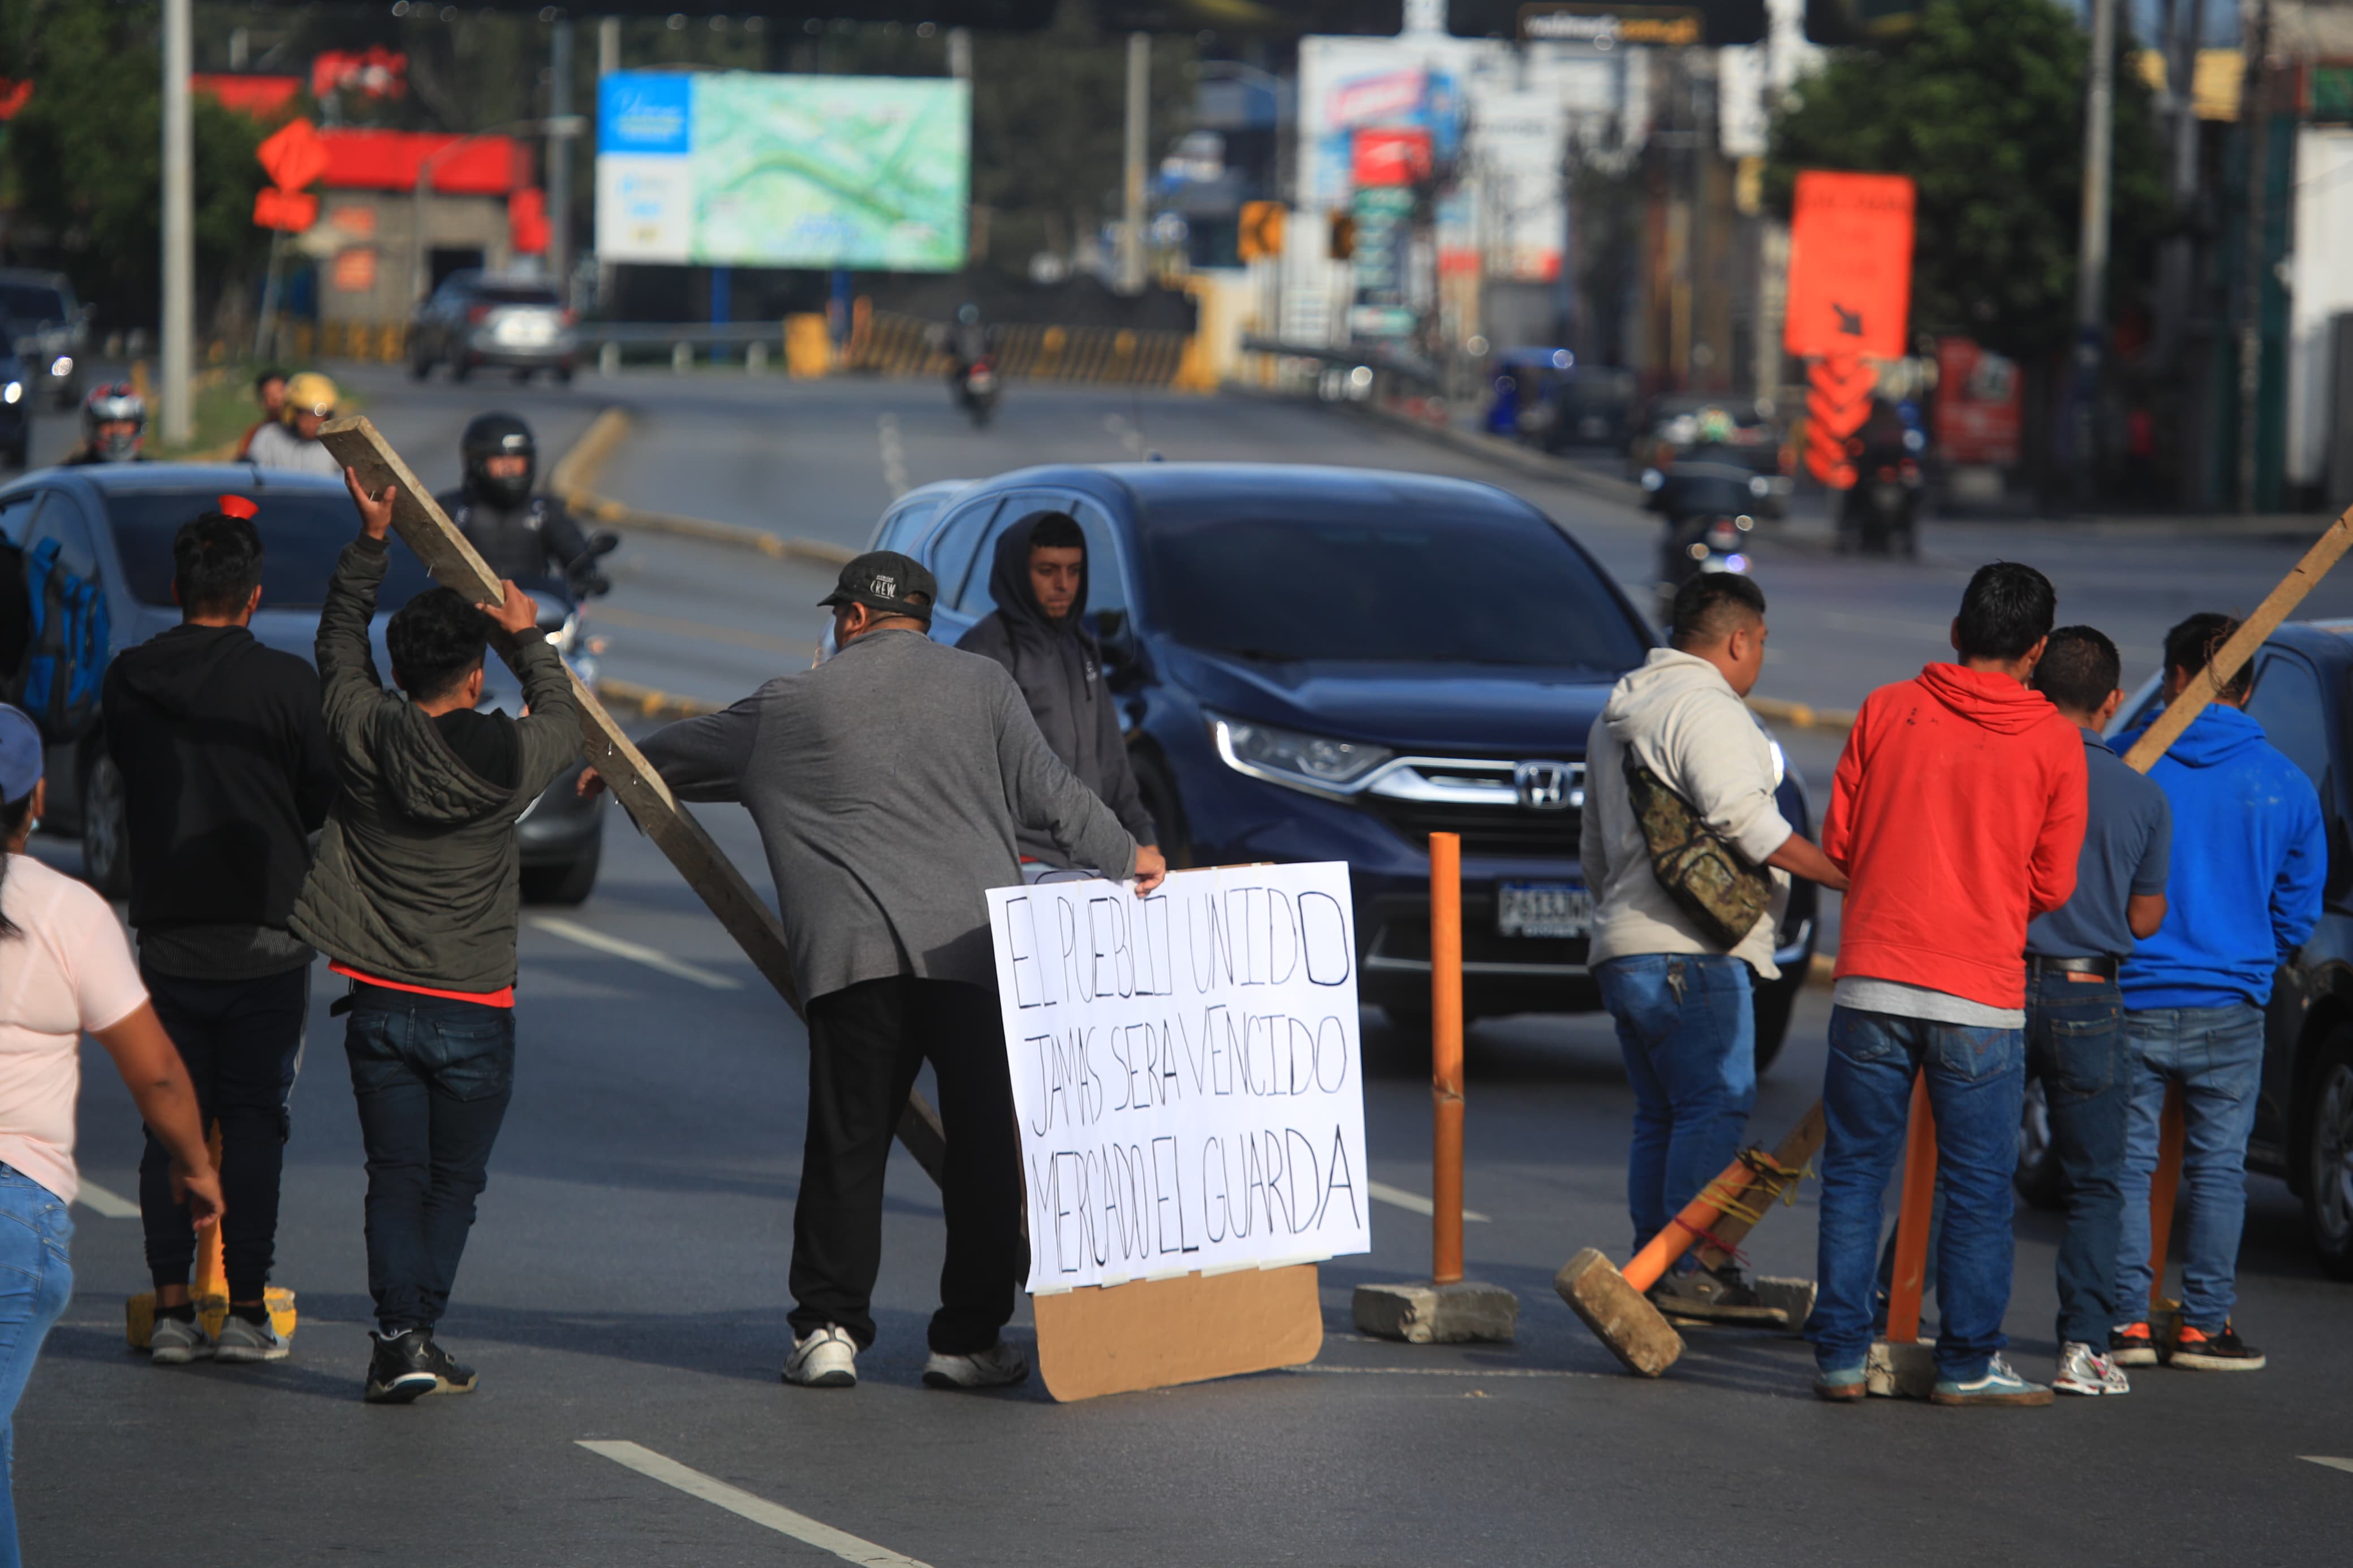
x,y
117,403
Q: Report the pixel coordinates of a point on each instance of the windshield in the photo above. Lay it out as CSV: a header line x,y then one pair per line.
x,y
1399,586
512,294
29,303
300,537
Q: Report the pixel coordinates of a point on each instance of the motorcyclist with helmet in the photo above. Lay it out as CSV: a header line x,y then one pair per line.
x,y
292,442
520,535
114,425
1708,483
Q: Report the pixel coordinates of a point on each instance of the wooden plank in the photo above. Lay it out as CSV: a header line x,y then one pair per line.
x,y
1801,1144
2234,655
1154,1333
357,445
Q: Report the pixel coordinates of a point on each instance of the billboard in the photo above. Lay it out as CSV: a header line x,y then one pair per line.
x,y
731,168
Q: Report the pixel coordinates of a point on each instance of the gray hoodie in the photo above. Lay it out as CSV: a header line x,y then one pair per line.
x,y
416,879
1684,722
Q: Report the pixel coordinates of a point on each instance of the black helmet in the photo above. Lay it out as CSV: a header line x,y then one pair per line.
x,y
499,436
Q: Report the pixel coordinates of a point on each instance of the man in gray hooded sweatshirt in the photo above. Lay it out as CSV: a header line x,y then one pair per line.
x,y
1683,1005
1038,632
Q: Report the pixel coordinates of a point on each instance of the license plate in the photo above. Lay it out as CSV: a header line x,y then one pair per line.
x,y
527,330
1543,909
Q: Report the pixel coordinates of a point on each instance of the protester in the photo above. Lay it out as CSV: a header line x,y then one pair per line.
x,y
414,899
1038,632
292,442
519,535
1957,812
889,784
269,390
1682,997
2075,1040
223,757
2250,860
64,969
114,426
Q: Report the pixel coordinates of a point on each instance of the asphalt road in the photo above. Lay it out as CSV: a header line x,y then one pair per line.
x,y
627,1280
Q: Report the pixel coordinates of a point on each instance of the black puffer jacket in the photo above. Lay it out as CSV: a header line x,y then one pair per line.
x,y
1059,671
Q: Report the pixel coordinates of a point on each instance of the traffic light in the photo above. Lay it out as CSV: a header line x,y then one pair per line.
x,y
1844,23
1713,23
1260,236
1343,242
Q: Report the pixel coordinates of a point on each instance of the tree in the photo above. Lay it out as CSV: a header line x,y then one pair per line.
x,y
82,169
1983,107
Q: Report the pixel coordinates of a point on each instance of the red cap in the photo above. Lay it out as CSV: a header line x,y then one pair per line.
x,y
238,505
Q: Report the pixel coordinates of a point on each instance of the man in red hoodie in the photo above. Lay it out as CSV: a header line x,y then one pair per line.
x,y
1958,815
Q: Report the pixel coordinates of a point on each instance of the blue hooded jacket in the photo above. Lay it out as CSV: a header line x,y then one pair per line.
x,y
2248,859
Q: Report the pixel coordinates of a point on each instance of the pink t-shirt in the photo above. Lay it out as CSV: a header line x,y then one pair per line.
x,y
69,968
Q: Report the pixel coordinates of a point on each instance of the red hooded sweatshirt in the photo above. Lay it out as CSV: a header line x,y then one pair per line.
x,y
1957,812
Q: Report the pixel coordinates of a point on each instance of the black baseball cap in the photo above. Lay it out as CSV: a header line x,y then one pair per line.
x,y
886,581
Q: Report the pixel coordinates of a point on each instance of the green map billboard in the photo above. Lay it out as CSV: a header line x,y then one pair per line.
x,y
729,168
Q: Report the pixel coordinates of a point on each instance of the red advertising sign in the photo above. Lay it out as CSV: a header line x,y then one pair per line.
x,y
1849,266
1980,403
1390,157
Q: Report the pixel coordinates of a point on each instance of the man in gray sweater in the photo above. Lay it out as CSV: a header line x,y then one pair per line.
x,y
889,785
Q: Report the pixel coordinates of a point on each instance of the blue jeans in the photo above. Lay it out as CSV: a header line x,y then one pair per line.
x,y
1977,1080
1688,1031
2075,1043
36,1280
2216,1055
432,1078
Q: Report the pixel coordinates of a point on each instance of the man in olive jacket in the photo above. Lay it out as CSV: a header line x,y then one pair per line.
x,y
414,897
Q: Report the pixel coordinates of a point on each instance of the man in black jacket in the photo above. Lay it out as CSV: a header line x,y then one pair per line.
x,y
1038,631
226,772
519,535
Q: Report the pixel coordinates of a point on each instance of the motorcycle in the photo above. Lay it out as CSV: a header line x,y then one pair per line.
x,y
1710,513
975,391
1881,515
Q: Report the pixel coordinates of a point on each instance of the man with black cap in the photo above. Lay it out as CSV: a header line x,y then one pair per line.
x,y
889,785
519,535
1038,632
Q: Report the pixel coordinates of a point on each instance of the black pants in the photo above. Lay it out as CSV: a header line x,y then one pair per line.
x,y
433,1078
242,1041
865,1044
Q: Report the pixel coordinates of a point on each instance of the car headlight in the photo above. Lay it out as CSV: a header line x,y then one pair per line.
x,y
64,365
1289,757
12,392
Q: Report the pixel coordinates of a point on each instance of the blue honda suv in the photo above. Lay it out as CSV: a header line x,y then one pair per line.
x,y
1331,664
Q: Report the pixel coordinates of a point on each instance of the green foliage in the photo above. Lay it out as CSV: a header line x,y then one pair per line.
x,y
1983,107
83,161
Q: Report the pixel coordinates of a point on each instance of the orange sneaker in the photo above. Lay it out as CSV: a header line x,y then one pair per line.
x,y
2129,1345
2199,1351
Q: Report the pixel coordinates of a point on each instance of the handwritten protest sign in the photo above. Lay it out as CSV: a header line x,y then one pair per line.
x,y
1187,1071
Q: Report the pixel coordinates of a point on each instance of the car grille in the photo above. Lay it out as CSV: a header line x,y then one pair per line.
x,y
1512,831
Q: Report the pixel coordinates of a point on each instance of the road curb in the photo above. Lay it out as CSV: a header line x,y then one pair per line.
x,y
576,471
1801,715
646,702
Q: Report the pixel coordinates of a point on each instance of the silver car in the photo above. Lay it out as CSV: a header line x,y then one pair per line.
x,y
476,319
49,328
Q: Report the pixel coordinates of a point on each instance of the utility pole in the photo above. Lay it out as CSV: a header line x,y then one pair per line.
x,y
1139,109
2091,241
960,53
179,225
559,160
608,45
2255,120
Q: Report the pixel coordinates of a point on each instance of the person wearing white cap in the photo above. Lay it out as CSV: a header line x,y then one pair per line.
x,y
65,967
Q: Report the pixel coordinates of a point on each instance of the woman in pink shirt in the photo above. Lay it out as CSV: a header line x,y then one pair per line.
x,y
65,967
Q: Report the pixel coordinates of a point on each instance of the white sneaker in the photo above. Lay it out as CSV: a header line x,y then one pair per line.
x,y
995,1367
827,1359
2082,1370
175,1343
241,1342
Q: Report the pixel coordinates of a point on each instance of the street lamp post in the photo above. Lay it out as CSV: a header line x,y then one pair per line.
x,y
560,126
179,227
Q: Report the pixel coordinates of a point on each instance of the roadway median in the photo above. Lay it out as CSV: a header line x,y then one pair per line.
x,y
575,476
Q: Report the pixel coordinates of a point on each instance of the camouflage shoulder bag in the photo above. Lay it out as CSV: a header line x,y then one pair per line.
x,y
1708,879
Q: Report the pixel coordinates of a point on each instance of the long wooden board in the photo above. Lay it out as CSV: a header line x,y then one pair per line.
x,y
1801,1144
357,445
1154,1333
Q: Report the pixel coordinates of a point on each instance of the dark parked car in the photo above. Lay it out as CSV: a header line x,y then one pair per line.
x,y
478,319
2304,1118
113,524
19,387
1330,664
51,330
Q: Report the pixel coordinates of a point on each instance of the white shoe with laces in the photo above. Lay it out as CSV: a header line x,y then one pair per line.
x,y
997,1367
2085,1370
826,1359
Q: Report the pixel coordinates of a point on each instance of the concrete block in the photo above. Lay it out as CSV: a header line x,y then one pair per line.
x,y
1620,1316
1422,1313
1793,1299
1902,1371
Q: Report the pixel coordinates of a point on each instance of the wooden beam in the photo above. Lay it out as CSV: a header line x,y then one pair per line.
x,y
357,445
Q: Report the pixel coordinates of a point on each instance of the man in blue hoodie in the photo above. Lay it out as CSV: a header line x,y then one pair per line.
x,y
2249,858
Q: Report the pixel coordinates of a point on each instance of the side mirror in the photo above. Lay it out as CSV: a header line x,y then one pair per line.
x,y
603,542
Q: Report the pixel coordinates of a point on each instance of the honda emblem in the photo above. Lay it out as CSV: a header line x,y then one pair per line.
x,y
1543,787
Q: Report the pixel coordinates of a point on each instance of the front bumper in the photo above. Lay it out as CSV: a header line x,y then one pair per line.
x,y
558,827
559,352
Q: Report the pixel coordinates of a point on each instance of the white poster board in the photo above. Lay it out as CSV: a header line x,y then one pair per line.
x,y
1187,1071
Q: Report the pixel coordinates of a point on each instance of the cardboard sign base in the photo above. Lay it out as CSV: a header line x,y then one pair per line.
x,y
1155,1333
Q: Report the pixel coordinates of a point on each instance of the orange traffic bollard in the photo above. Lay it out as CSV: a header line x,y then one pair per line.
x,y
1913,1213
1446,1057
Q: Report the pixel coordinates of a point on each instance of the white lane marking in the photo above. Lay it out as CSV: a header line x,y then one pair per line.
x,y
758,1510
109,1205
1415,1203
588,936
2334,1464
894,456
